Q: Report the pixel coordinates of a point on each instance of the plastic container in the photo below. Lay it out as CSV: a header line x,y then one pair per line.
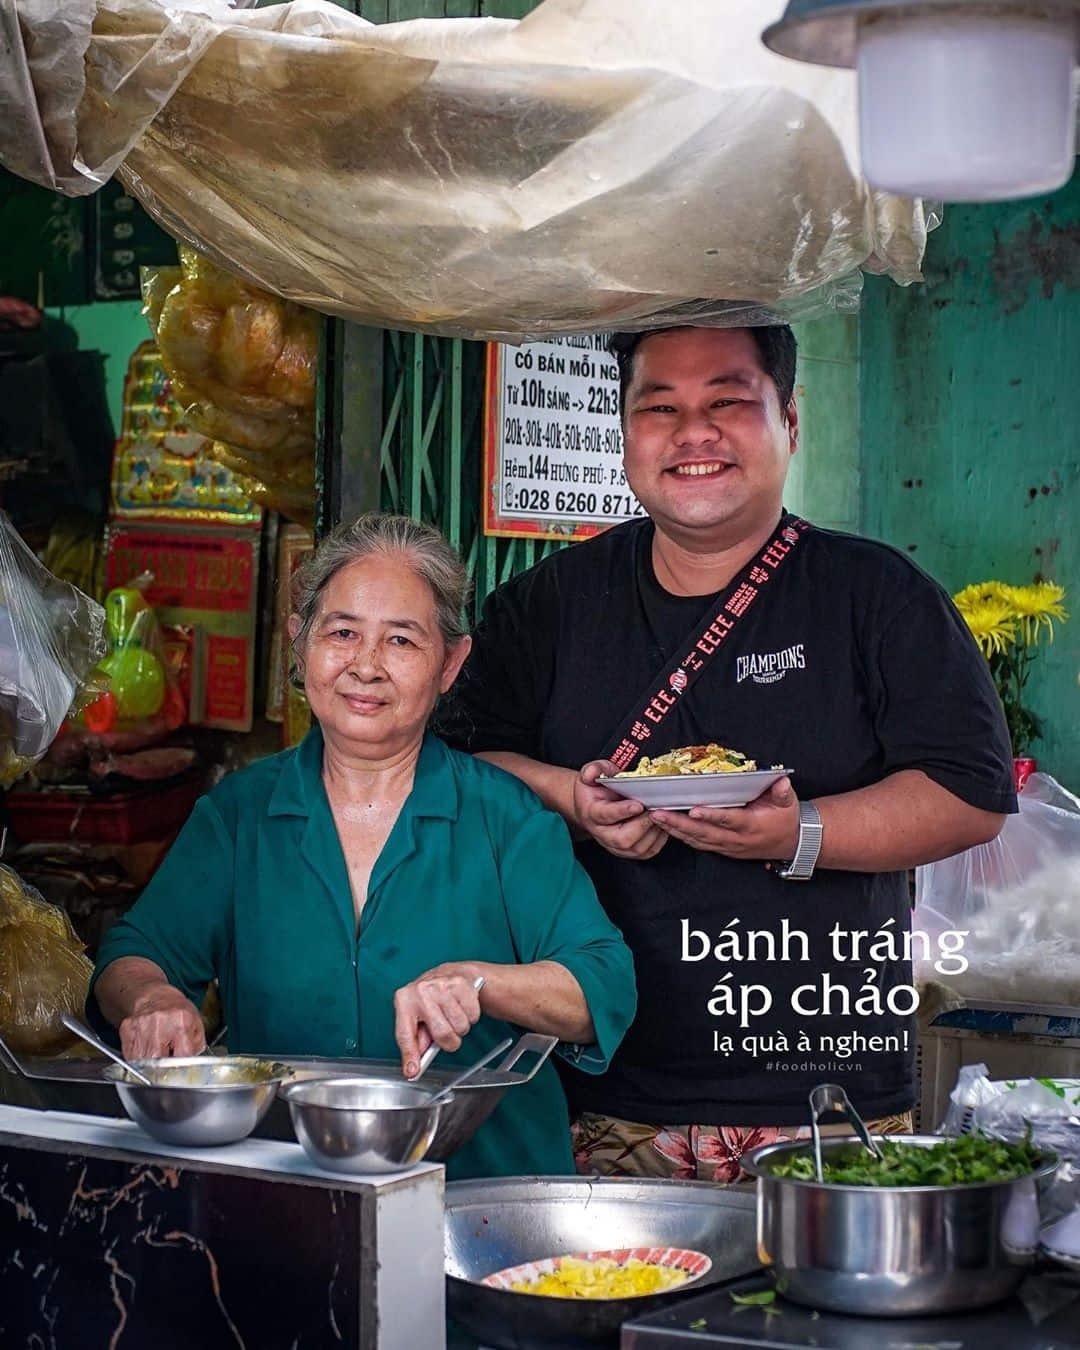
x,y
976,107
154,812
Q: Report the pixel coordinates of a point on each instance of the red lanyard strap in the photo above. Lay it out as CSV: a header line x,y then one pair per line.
x,y
669,686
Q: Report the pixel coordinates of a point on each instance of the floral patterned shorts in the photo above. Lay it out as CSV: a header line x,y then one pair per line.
x,y
607,1147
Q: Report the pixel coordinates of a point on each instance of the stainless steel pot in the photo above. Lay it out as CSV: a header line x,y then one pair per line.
x,y
893,1251
500,1222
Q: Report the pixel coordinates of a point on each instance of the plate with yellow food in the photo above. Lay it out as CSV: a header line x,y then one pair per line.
x,y
695,775
628,1272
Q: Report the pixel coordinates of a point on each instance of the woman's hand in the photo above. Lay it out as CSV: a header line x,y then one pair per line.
x,y
153,1017
439,1007
618,824
162,1022
442,1005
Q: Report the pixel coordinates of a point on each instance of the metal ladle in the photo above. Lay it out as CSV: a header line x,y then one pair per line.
x,y
84,1033
830,1097
445,1092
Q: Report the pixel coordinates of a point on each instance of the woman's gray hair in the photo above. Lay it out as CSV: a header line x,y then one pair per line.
x,y
421,546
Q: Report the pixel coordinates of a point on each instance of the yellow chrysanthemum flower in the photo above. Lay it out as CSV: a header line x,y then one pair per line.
x,y
1035,607
1006,622
979,594
992,623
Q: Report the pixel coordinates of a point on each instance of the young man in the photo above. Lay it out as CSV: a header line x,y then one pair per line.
x,y
830,654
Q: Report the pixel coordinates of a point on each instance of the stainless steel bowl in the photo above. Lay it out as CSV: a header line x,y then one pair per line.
x,y
462,1115
504,1221
363,1125
199,1101
893,1250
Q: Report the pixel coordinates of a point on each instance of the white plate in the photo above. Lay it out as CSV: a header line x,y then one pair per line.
x,y
681,791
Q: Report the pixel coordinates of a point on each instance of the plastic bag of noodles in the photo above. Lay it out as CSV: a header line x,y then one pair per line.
x,y
43,971
242,364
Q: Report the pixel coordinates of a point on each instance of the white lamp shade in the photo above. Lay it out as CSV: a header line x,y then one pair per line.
x,y
967,107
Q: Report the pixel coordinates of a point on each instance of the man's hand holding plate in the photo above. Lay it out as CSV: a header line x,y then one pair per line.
x,y
618,824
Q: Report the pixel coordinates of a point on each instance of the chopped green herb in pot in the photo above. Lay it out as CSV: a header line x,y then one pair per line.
x,y
968,1159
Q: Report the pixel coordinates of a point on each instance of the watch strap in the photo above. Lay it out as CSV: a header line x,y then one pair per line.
x,y
801,867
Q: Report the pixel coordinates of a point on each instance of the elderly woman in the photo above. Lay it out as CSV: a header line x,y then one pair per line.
x,y
348,893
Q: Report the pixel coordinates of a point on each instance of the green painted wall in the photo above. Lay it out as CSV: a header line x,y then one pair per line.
x,y
970,421
114,328
823,482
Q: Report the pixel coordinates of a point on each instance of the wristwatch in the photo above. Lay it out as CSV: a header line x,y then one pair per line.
x,y
801,867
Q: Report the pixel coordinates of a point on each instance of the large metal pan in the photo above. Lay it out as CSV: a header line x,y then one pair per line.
x,y
893,1250
84,1085
47,1084
505,1221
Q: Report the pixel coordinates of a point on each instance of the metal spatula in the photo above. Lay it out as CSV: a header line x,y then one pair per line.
x,y
473,1068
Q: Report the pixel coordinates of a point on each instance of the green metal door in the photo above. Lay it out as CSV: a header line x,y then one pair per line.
x,y
431,451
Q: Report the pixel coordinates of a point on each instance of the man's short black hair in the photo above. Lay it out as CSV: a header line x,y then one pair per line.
x,y
776,346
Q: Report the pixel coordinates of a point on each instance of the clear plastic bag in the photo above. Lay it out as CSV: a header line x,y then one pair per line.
x,y
1008,1108
479,178
1015,900
1044,1110
51,638
43,971
242,364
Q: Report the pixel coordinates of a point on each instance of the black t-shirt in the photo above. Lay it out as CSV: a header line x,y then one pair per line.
x,y
851,665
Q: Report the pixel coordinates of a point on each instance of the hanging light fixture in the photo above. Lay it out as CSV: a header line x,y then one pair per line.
x,y
959,100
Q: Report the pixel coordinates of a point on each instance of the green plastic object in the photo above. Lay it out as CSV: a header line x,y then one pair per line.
x,y
136,675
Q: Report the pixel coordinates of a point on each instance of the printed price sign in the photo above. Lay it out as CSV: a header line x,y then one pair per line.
x,y
552,440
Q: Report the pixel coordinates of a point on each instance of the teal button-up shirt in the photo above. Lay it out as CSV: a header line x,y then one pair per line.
x,y
255,892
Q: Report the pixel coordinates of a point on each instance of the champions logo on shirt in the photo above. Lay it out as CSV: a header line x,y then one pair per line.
x,y
771,667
